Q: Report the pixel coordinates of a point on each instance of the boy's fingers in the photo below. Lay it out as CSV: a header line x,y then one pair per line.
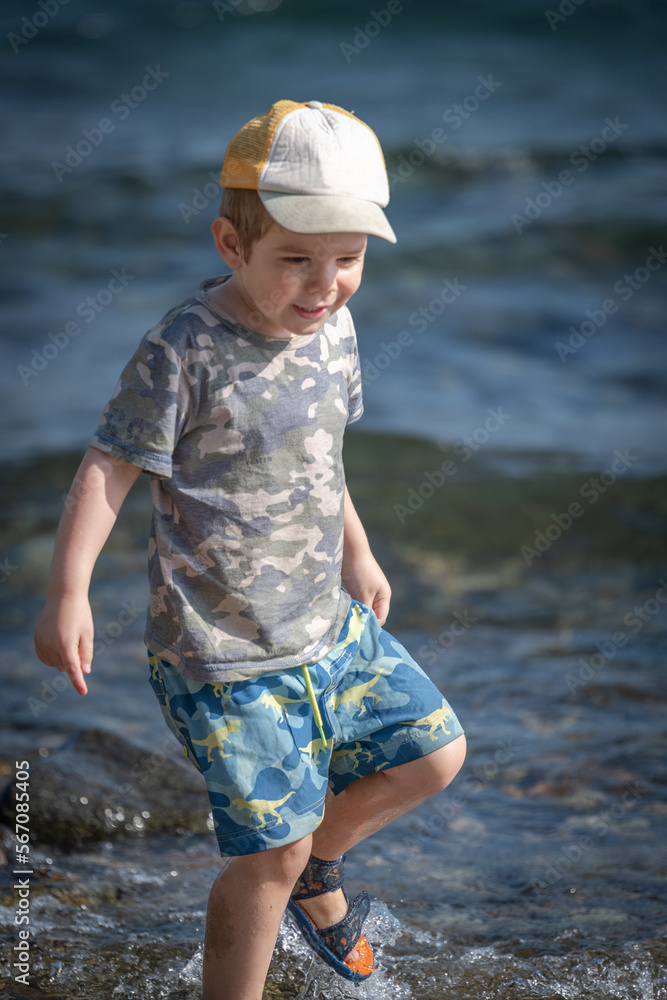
x,y
45,655
86,653
381,609
77,680
66,643
72,667
49,652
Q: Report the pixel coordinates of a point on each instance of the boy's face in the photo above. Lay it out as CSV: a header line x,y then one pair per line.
x,y
292,282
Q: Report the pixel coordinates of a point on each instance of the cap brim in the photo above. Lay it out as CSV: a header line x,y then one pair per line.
x,y
315,213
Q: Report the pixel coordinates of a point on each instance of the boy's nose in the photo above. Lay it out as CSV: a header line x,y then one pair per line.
x,y
321,278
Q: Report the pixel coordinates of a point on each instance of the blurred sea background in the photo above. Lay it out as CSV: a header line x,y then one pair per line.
x,y
516,330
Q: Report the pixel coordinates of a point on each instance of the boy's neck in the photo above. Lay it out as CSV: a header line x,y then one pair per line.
x,y
226,299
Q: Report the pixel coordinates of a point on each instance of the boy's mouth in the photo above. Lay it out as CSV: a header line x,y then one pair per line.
x,y
317,313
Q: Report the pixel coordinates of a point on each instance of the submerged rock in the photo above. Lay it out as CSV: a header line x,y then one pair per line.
x,y
99,785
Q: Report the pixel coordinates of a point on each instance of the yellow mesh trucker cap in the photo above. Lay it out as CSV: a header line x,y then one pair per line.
x,y
316,167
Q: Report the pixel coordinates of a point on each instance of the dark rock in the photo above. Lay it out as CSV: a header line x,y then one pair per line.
x,y
99,785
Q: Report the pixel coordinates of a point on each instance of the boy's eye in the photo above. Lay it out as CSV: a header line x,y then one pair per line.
x,y
341,260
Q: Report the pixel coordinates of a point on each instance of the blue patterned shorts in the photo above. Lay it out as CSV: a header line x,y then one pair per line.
x,y
266,767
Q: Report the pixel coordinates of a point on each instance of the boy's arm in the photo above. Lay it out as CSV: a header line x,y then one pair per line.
x,y
360,573
64,631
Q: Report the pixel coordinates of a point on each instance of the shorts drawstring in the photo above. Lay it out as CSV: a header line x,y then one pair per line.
x,y
313,702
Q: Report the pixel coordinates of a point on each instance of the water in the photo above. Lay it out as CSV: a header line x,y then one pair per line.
x,y
541,873
494,344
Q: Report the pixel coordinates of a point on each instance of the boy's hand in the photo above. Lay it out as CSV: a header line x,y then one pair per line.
x,y
64,632
64,638
360,571
366,582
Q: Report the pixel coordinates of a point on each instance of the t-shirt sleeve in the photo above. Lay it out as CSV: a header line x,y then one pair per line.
x,y
355,404
144,418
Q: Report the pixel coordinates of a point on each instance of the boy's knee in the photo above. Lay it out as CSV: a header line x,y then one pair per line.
x,y
459,750
446,763
295,857
282,864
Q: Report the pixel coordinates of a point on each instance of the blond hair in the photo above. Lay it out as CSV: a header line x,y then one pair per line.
x,y
244,209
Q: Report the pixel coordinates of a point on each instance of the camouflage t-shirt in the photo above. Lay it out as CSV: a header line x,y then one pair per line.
x,y
242,435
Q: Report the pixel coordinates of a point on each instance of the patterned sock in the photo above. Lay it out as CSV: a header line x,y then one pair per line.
x,y
319,877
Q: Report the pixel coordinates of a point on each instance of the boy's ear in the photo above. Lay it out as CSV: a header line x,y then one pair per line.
x,y
227,242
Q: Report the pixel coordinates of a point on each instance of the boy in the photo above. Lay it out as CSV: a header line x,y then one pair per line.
x,y
312,726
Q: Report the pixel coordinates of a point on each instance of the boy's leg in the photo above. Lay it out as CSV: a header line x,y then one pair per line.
x,y
250,795
384,708
245,907
373,801
249,896
369,804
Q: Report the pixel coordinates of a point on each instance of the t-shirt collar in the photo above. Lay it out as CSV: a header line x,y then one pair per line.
x,y
272,343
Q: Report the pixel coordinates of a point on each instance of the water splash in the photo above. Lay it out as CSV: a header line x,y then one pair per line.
x,y
322,983
191,973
